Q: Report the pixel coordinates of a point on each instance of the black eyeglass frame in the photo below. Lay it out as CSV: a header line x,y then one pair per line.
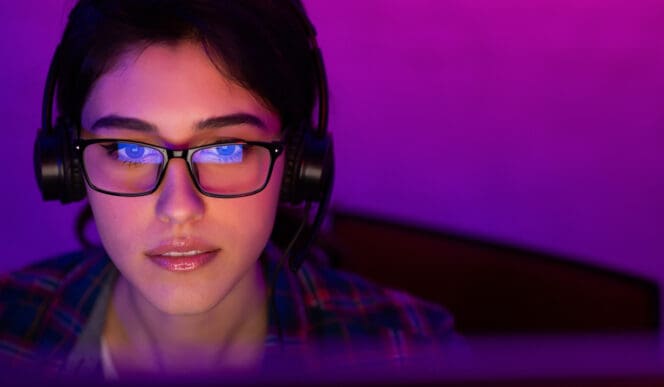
x,y
275,148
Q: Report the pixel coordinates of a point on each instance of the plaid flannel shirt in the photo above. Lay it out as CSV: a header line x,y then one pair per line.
x,y
323,316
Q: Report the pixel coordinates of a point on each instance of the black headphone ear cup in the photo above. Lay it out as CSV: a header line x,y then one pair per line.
x,y
57,167
309,168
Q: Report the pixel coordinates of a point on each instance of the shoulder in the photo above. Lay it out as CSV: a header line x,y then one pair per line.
x,y
349,300
46,304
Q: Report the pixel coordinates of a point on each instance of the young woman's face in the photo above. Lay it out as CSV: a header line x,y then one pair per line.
x,y
184,252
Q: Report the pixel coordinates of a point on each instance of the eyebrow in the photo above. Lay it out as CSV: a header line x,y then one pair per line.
x,y
115,121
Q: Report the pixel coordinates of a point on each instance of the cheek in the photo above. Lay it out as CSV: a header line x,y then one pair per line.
x,y
254,215
119,220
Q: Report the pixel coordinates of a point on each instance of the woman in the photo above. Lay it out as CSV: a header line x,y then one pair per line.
x,y
180,120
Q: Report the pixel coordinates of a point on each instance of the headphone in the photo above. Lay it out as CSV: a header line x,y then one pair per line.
x,y
308,172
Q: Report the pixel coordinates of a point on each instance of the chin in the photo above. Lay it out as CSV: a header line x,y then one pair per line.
x,y
191,294
186,303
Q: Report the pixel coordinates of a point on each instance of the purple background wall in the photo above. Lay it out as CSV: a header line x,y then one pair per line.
x,y
533,123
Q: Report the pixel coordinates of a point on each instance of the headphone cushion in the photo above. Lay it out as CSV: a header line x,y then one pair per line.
x,y
293,160
309,168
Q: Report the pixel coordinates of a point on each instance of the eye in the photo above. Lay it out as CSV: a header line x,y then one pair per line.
x,y
228,149
137,153
221,154
132,150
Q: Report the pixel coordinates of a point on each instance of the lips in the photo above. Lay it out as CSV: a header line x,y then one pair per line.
x,y
182,254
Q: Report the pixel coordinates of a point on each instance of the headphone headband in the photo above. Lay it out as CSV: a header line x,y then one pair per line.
x,y
53,156
319,67
49,91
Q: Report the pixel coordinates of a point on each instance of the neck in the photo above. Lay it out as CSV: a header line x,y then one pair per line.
x,y
229,335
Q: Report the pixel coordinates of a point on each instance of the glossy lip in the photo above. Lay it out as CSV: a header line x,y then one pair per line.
x,y
182,254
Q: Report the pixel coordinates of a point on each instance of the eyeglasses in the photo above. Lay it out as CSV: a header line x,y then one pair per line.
x,y
223,170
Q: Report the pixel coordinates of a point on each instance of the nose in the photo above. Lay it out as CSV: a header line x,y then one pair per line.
x,y
179,201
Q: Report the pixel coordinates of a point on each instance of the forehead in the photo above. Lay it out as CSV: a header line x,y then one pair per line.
x,y
172,86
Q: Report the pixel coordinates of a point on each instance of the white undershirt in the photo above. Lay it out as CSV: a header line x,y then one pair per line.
x,y
107,366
